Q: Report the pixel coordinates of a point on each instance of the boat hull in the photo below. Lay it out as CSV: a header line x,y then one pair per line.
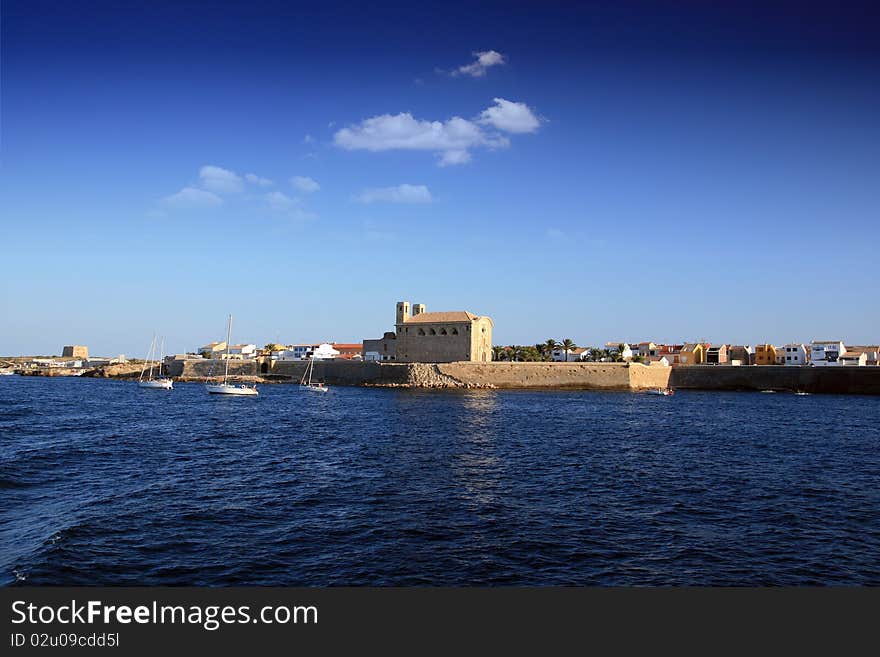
x,y
157,384
314,388
227,389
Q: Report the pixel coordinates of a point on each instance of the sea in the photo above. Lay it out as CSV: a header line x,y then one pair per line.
x,y
102,483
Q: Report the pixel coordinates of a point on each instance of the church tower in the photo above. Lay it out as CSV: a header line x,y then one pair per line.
x,y
402,311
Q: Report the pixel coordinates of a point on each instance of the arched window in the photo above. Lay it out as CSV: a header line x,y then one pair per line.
x,y
443,331
432,332
421,331
454,331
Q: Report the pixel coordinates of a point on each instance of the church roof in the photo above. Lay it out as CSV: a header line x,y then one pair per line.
x,y
452,316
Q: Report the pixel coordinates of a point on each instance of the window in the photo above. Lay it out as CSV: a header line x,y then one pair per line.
x,y
432,332
454,331
421,332
443,332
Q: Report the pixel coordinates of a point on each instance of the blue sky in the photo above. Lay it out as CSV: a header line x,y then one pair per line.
x,y
665,171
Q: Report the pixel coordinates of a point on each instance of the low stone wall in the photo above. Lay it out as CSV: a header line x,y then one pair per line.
x,y
840,380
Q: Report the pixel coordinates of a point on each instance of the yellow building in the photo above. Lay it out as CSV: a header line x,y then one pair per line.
x,y
693,353
765,354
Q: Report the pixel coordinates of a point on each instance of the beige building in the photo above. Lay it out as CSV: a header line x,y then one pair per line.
x,y
75,351
441,337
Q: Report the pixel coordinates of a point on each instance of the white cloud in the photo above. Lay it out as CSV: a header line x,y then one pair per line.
x,y
308,139
399,194
451,138
510,116
192,198
485,60
280,202
222,181
255,179
454,157
305,184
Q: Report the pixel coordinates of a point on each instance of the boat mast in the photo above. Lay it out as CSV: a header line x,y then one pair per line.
x,y
161,356
228,337
151,356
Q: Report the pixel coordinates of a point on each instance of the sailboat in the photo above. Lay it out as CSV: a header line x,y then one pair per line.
x,y
160,382
306,382
226,388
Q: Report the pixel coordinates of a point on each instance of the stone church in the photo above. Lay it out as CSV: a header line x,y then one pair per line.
x,y
438,337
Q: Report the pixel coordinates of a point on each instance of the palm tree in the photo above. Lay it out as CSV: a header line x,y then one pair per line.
x,y
496,352
513,352
569,345
549,346
540,349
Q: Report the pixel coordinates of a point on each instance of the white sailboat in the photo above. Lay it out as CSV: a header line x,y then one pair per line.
x,y
306,382
226,388
160,382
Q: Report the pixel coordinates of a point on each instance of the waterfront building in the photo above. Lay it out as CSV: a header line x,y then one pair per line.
x,y
324,351
671,352
739,354
384,348
75,351
242,351
796,354
211,349
716,354
348,351
872,353
853,358
662,361
692,353
826,352
765,354
441,337
646,349
298,351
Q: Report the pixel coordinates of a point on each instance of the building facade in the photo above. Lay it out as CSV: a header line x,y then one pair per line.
x,y
765,354
716,354
796,354
441,337
692,353
826,352
384,348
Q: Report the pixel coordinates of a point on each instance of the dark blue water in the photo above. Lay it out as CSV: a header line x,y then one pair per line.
x,y
103,483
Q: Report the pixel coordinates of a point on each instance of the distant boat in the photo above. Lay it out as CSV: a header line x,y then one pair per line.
x,y
768,391
801,393
665,392
160,382
226,388
7,372
306,381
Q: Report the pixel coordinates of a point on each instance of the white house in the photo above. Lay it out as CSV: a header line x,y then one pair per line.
x,y
856,358
325,352
796,354
242,351
573,355
297,352
826,352
614,346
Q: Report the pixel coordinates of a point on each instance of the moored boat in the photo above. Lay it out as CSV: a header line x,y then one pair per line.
x,y
160,382
225,387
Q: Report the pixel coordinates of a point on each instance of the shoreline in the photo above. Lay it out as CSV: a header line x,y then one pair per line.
x,y
541,376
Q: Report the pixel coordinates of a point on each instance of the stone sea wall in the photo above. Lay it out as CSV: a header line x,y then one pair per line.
x,y
592,376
